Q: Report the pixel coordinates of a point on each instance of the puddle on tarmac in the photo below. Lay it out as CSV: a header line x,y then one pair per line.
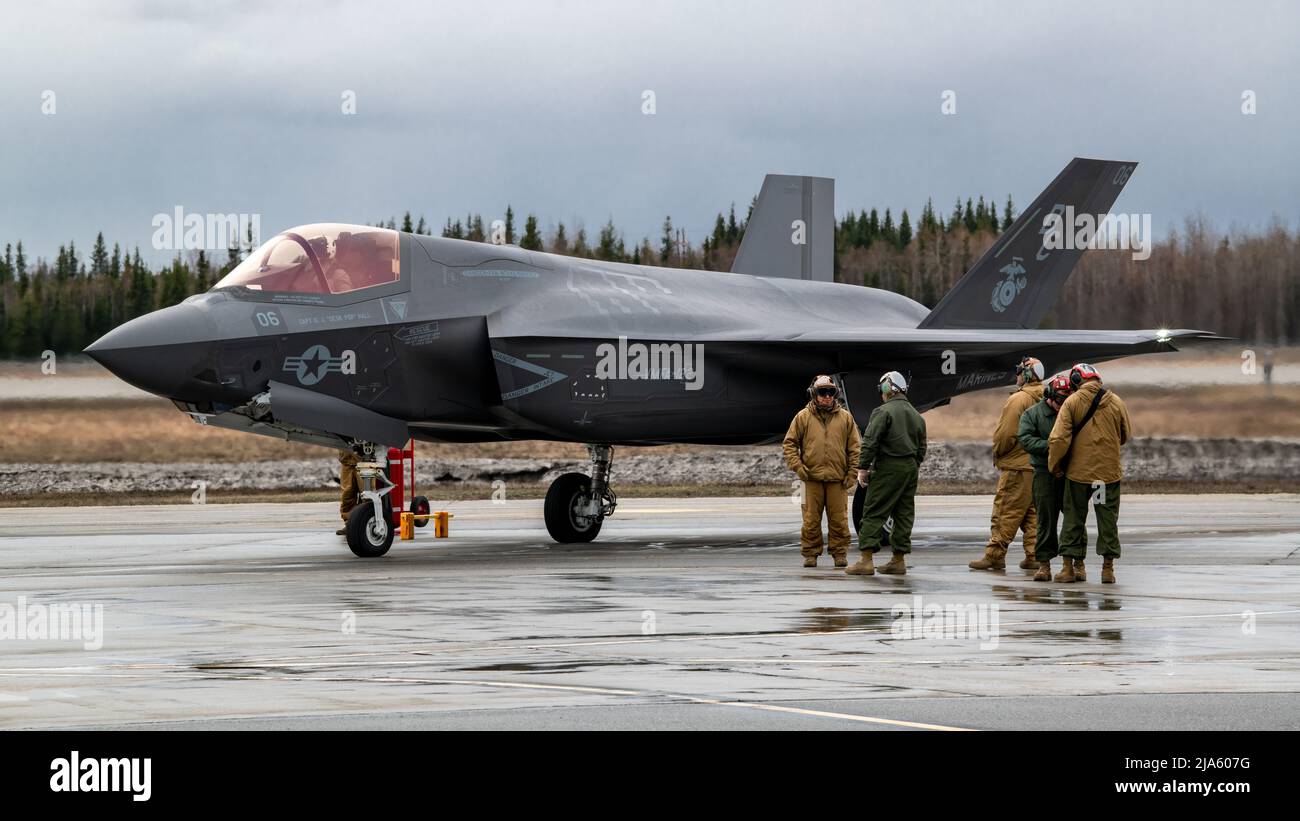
x,y
833,619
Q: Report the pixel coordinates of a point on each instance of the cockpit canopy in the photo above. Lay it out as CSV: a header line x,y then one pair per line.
x,y
326,258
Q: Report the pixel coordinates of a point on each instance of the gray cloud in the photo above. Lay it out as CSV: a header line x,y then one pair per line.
x,y
233,106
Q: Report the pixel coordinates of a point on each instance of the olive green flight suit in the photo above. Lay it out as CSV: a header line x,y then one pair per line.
x,y
1049,491
893,448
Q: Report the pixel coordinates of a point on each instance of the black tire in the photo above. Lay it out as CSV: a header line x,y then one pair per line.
x,y
420,506
362,537
565,492
859,502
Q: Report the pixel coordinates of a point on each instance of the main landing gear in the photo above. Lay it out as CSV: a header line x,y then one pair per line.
x,y
577,504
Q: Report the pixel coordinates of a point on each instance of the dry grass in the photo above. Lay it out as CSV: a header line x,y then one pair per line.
x,y
1200,412
449,492
460,492
151,430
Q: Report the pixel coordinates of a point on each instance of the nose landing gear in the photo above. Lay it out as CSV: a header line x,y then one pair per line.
x,y
577,504
370,528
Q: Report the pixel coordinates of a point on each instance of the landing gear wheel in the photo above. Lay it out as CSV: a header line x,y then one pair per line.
x,y
569,494
365,537
420,507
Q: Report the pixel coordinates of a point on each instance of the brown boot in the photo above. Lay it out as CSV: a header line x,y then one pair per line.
x,y
1044,573
864,566
994,559
897,565
841,561
1079,575
1108,570
1029,563
809,561
342,531
1067,571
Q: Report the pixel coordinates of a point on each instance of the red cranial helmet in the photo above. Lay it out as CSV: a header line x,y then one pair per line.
x,y
1058,388
1081,372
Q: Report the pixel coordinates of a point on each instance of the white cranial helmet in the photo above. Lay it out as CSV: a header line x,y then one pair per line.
x,y
893,381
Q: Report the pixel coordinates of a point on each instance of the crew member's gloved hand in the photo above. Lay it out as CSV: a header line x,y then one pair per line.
x,y
863,478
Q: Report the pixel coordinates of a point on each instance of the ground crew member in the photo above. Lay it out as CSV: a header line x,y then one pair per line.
x,y
1084,447
1013,502
821,447
1035,428
349,487
893,448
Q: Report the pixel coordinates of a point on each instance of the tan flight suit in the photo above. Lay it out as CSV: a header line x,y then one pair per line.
x,y
822,448
1013,502
1090,459
349,484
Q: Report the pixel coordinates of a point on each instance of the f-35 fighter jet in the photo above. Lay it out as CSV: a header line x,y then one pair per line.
x,y
355,337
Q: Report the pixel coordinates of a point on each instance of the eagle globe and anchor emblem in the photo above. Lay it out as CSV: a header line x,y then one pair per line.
x,y
1006,291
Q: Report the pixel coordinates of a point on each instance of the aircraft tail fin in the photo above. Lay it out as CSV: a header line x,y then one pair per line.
x,y
1015,283
791,232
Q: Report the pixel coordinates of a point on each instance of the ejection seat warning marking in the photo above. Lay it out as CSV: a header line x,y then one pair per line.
x,y
551,377
419,334
397,307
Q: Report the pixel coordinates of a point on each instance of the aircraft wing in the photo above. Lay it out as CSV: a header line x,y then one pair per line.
x,y
941,363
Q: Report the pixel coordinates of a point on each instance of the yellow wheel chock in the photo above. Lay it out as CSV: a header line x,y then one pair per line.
x,y
441,524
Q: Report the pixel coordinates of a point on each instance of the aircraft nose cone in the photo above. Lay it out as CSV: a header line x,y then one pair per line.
x,y
157,352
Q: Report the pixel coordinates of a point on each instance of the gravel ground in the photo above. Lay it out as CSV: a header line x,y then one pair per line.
x,y
1181,460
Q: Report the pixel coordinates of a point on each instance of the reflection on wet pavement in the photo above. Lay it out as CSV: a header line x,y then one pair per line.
x,y
246,610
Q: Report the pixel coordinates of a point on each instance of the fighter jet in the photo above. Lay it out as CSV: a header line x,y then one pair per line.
x,y
357,337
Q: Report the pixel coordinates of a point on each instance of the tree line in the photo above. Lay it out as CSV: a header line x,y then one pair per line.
x,y
1241,283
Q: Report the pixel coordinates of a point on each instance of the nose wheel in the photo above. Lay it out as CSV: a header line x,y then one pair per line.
x,y
370,536
577,504
370,528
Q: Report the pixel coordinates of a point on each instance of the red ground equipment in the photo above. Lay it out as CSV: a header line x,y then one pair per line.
x,y
401,472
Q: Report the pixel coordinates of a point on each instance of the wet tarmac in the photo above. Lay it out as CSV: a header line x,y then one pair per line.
x,y
687,613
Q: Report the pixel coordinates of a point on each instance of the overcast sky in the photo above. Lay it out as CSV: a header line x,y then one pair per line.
x,y
236,107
